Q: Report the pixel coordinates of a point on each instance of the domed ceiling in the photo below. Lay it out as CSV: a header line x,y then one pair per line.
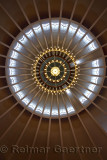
x,y
53,82
55,62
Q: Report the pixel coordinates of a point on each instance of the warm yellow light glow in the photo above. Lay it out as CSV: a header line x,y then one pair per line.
x,y
55,71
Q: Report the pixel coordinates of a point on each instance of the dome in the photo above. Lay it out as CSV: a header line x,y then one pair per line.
x,y
53,79
55,65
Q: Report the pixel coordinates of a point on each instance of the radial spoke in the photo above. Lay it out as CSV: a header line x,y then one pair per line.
x,y
60,128
23,81
71,126
15,59
19,68
80,23
89,28
30,26
74,7
86,130
88,54
28,70
17,25
19,114
49,128
58,37
49,11
89,98
88,111
37,12
35,137
15,92
75,46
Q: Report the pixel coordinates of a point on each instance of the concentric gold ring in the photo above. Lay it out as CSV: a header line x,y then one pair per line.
x,y
61,78
40,57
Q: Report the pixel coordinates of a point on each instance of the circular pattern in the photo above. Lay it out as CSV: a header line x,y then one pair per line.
x,y
56,75
53,73
61,67
29,128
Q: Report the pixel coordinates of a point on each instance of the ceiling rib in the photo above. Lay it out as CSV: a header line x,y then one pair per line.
x,y
72,129
72,13
89,112
70,123
70,42
37,12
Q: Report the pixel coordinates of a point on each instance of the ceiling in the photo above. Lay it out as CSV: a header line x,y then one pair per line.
x,y
21,126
